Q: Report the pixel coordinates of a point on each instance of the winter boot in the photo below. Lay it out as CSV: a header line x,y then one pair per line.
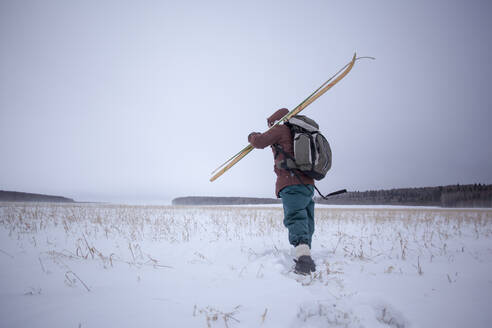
x,y
304,263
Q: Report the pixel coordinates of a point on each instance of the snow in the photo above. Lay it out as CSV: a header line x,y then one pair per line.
x,y
101,265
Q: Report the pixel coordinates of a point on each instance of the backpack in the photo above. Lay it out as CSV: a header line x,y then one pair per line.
x,y
312,152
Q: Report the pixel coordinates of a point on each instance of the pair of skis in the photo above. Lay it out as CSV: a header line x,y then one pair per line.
x,y
306,102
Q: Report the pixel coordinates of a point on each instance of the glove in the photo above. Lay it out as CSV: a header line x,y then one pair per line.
x,y
251,135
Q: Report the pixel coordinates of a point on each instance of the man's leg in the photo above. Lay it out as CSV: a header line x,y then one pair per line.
x,y
299,220
310,213
297,205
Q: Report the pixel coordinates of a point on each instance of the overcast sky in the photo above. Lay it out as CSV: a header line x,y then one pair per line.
x,y
141,100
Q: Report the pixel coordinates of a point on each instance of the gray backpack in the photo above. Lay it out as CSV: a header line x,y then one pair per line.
x,y
312,152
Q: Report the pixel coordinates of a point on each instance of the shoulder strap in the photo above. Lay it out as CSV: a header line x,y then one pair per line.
x,y
279,149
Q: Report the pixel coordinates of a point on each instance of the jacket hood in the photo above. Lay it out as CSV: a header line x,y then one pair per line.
x,y
277,115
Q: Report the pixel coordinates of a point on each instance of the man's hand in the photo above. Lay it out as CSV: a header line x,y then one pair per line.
x,y
251,135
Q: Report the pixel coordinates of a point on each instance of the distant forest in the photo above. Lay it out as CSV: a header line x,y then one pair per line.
x,y
223,201
14,196
476,195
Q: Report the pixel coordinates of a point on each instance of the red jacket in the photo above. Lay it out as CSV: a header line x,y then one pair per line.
x,y
282,136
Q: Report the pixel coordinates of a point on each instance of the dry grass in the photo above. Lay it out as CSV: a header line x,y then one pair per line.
x,y
213,315
360,234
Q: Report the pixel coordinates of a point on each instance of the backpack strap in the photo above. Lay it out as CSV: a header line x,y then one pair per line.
x,y
288,163
279,149
283,165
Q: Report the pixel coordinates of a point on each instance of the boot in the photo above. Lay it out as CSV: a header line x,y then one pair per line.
x,y
304,263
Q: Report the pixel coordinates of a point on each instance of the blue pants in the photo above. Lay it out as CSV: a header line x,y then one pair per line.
x,y
298,213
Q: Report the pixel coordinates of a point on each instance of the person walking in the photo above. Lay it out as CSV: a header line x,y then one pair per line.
x,y
295,189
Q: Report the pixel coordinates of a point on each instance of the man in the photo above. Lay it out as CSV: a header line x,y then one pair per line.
x,y
296,192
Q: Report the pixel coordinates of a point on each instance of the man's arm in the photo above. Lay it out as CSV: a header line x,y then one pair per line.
x,y
262,140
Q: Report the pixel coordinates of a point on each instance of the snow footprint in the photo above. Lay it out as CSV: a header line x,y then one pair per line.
x,y
325,314
389,316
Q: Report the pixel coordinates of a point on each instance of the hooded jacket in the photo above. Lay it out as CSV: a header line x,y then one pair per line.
x,y
281,135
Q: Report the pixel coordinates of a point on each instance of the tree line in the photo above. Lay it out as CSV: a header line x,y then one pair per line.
x,y
471,195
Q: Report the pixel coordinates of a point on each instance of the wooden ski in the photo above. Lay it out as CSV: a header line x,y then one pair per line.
x,y
310,99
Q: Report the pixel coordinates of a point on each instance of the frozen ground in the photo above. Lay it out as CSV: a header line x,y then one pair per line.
x,y
147,266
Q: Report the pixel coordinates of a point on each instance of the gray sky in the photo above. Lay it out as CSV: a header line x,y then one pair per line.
x,y
141,100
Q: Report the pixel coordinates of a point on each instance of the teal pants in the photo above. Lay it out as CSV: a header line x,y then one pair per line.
x,y
298,213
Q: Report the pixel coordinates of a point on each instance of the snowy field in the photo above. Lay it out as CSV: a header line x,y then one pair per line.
x,y
92,265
